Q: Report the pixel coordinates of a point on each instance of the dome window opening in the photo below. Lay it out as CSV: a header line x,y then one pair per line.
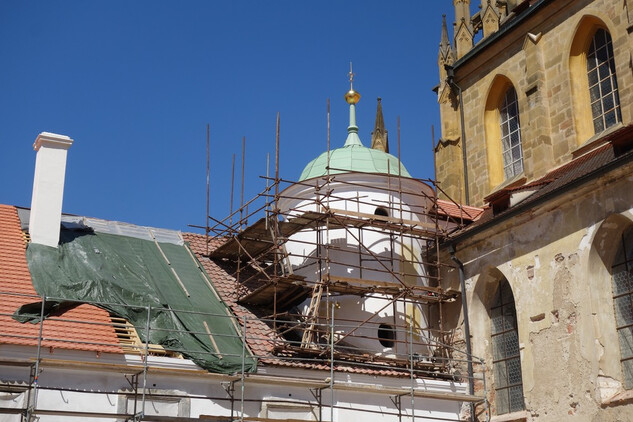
x,y
381,212
386,335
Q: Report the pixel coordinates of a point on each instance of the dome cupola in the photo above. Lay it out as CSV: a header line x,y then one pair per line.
x,y
353,156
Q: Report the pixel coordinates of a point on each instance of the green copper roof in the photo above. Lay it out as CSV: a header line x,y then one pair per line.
x,y
354,158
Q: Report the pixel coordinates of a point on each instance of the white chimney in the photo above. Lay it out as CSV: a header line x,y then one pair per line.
x,y
48,187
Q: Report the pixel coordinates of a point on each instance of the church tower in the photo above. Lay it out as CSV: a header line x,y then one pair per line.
x,y
539,112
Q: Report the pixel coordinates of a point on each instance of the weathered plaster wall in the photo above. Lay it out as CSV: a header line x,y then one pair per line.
x,y
557,258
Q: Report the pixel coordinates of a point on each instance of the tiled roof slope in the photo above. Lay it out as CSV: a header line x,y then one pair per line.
x,y
256,330
456,211
575,169
89,328
73,329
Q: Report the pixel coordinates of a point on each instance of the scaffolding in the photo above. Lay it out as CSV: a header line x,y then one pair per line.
x,y
257,256
268,286
25,375
268,291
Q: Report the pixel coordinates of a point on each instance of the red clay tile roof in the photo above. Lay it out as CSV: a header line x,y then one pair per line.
x,y
458,211
227,289
88,328
530,186
78,328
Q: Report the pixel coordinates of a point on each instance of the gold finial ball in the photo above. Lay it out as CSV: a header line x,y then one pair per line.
x,y
352,97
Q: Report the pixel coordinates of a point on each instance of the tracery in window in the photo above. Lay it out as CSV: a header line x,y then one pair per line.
x,y
622,274
511,135
506,358
603,86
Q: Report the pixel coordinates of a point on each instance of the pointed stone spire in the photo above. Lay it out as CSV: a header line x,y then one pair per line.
x,y
446,55
352,97
380,136
490,17
463,29
445,44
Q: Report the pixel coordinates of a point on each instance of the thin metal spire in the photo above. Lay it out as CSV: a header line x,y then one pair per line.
x,y
207,219
351,77
352,97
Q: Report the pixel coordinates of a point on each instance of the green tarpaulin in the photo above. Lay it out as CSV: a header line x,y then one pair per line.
x,y
125,275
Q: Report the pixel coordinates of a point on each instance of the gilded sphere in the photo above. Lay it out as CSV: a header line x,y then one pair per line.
x,y
352,97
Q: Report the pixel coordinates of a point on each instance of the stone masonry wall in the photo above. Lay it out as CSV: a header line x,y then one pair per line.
x,y
538,66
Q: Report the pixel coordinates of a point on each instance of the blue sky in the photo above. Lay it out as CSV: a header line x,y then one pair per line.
x,y
135,83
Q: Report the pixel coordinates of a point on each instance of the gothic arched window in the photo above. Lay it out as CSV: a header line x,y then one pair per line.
x,y
511,134
506,359
603,87
622,274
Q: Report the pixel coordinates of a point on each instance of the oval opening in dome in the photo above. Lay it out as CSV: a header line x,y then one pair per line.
x,y
386,335
381,211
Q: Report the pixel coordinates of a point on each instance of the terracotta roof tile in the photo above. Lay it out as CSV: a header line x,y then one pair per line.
x,y
84,327
457,211
226,285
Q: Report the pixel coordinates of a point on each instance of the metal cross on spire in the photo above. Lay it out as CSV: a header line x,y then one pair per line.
x,y
351,76
352,96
